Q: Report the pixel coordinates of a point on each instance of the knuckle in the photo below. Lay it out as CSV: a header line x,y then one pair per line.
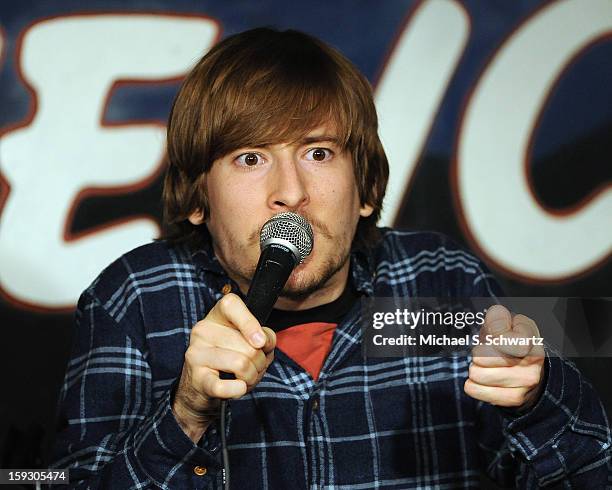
x,y
521,350
527,323
258,355
469,388
516,398
228,302
190,356
259,361
257,380
539,353
533,380
241,364
478,351
520,318
251,353
198,329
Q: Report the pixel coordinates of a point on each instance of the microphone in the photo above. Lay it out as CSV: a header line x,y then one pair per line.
x,y
286,239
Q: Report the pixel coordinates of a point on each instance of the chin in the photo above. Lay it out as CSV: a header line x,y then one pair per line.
x,y
302,280
310,277
298,277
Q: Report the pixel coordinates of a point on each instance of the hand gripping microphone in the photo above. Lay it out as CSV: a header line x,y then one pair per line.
x,y
286,239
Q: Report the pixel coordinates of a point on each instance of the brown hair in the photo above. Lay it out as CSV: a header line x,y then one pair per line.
x,y
264,87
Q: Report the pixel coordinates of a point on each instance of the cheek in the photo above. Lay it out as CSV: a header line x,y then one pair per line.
x,y
227,198
340,209
344,197
337,186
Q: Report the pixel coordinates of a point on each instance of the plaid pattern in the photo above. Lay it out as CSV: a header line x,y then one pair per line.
x,y
366,423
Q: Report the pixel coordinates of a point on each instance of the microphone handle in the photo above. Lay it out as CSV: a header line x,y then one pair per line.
x,y
275,265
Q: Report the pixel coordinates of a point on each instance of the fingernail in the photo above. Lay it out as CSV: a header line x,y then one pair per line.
x,y
258,338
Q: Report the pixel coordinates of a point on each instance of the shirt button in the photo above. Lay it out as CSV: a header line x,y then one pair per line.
x,y
200,470
315,404
227,288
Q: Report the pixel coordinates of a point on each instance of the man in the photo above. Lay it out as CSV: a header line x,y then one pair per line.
x,y
269,122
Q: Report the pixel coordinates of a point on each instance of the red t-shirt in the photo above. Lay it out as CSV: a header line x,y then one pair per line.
x,y
306,335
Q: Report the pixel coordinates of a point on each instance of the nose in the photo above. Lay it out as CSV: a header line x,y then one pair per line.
x,y
287,186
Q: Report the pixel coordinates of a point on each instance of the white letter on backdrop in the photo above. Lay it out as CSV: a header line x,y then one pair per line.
x,y
71,63
412,86
500,210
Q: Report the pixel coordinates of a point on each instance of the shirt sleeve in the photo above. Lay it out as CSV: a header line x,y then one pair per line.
x,y
112,432
565,437
563,440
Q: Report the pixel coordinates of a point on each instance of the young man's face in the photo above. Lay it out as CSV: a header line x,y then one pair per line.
x,y
312,177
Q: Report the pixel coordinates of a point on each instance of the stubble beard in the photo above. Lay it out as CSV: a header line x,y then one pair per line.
x,y
303,287
299,286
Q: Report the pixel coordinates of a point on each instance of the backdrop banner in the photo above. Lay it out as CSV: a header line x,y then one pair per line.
x,y
496,117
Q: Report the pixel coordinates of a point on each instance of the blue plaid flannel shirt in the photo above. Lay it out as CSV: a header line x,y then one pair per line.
x,y
365,423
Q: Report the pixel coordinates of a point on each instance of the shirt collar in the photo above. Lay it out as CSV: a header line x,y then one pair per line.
x,y
362,270
204,256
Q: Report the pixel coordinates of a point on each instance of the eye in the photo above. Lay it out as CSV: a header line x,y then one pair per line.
x,y
319,154
249,159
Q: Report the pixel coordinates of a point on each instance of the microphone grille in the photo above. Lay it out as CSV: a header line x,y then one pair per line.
x,y
289,228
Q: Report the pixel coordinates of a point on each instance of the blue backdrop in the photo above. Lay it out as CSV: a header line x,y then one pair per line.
x,y
496,116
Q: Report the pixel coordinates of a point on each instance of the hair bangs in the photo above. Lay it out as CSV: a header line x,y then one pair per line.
x,y
282,103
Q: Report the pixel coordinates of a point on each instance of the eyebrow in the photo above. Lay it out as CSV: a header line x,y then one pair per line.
x,y
307,140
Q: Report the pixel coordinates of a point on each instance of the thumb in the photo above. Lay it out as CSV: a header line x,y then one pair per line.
x,y
498,320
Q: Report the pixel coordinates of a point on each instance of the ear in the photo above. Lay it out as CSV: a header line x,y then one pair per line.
x,y
197,217
366,210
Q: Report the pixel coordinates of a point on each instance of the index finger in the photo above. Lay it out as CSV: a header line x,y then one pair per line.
x,y
231,311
